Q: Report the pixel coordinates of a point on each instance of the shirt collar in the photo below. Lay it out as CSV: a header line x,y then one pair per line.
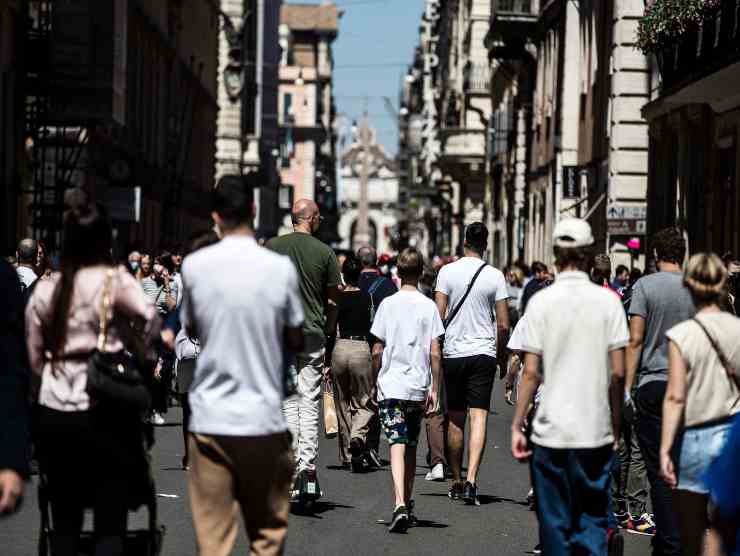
x,y
572,276
238,238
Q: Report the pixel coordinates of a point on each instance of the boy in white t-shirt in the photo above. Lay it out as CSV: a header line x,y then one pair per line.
x,y
406,361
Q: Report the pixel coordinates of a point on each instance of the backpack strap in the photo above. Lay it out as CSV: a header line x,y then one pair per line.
x,y
375,285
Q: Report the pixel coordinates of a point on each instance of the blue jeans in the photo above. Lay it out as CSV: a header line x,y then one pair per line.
x,y
572,491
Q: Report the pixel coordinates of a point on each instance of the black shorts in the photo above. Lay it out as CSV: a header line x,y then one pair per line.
x,y
469,382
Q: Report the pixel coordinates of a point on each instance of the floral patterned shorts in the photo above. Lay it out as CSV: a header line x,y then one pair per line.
x,y
401,420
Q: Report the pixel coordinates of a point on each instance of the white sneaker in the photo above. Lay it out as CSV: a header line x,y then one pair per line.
x,y
436,474
157,419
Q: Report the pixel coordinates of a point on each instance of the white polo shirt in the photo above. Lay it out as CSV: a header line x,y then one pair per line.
x,y
240,297
573,325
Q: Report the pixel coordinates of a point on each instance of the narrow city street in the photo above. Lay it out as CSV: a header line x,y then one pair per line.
x,y
347,520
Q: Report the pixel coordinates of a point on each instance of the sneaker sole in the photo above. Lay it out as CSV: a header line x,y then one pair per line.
x,y
399,525
640,533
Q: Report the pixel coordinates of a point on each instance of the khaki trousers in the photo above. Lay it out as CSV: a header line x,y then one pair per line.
x,y
253,473
351,369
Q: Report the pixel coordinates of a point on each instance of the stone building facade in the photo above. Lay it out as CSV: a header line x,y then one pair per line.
x,y
126,108
382,196
306,109
694,146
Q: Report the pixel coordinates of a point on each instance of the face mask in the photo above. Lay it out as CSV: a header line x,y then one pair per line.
x,y
384,269
134,265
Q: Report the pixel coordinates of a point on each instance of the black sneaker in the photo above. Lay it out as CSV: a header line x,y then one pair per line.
x,y
537,549
400,520
413,520
470,494
357,449
456,491
372,459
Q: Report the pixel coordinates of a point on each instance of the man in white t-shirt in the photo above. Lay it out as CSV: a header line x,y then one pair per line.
x,y
477,328
239,445
406,358
577,330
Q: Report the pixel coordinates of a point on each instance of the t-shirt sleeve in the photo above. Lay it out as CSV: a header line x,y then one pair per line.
x,y
638,303
443,285
535,337
186,307
293,314
379,327
619,334
502,292
677,334
519,336
438,328
333,278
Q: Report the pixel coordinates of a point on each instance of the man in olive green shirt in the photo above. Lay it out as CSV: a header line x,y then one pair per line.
x,y
318,275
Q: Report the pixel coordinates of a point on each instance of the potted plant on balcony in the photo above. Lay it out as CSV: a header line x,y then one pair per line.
x,y
668,23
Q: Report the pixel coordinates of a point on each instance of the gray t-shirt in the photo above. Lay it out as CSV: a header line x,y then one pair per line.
x,y
663,301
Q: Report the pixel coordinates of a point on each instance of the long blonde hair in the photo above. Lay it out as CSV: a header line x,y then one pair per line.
x,y
706,278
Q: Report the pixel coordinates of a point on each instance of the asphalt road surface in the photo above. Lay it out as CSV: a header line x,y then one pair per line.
x,y
347,518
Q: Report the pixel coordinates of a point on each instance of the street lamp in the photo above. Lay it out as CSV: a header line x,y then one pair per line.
x,y
233,73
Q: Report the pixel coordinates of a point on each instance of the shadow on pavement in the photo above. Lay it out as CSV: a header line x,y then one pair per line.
x,y
425,523
316,509
483,498
487,499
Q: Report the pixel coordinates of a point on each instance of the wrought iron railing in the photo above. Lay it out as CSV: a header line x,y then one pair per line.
x,y
515,6
477,78
715,45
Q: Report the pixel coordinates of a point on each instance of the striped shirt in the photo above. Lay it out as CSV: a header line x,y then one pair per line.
x,y
156,294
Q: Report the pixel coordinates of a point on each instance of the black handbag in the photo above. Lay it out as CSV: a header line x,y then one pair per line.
x,y
113,377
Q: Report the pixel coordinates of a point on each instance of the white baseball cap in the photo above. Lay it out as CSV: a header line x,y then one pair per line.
x,y
573,232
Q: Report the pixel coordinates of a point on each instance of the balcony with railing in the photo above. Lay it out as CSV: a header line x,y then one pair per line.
x,y
477,78
704,52
512,23
460,144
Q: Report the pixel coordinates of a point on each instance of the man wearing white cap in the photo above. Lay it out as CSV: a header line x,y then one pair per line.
x,y
578,331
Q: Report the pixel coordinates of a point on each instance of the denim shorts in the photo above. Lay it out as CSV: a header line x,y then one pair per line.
x,y
699,448
401,420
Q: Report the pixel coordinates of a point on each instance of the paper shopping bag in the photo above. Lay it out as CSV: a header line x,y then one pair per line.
x,y
330,414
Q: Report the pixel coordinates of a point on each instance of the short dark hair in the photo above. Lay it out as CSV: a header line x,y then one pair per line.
x,y
578,257
351,270
165,259
27,251
410,264
670,245
232,201
538,267
200,240
476,237
368,256
621,269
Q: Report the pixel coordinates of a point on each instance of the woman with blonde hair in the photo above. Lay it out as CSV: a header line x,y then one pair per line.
x,y
702,397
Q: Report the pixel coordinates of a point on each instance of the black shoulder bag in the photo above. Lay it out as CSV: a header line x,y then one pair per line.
x,y
112,377
459,305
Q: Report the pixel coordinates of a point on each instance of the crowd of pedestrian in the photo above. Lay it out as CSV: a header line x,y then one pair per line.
x,y
626,385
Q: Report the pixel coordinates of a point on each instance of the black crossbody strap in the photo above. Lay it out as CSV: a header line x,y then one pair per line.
x,y
731,372
459,305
